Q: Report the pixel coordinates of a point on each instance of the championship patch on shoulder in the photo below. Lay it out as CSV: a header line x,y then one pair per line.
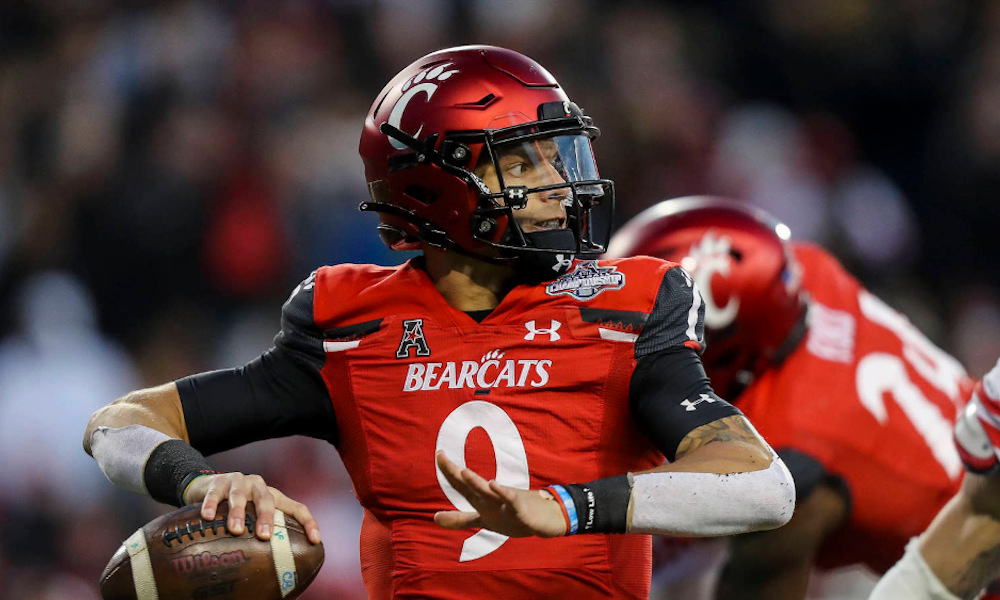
x,y
586,280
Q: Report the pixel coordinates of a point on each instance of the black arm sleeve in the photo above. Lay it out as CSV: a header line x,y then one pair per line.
x,y
670,396
280,393
269,397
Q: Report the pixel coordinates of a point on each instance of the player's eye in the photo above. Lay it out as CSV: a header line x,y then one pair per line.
x,y
517,169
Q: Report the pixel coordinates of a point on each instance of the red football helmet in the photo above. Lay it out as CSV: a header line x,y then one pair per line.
x,y
454,111
740,259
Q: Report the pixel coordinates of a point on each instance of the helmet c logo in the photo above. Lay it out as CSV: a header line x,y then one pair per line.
x,y
712,256
397,111
430,78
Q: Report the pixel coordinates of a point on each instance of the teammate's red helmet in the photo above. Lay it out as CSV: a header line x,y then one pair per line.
x,y
740,259
459,108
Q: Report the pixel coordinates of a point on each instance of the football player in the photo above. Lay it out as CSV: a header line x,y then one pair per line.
x,y
504,387
959,554
858,402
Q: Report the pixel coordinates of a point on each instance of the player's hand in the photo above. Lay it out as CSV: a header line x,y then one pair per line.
x,y
239,489
977,429
511,511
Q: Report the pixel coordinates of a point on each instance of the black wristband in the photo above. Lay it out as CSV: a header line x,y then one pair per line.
x,y
602,504
170,468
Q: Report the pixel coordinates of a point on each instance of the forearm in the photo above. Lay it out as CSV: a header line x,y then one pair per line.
x,y
726,480
140,444
711,503
962,546
741,455
158,408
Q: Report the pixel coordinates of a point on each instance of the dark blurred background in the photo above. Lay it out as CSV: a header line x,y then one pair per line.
x,y
170,170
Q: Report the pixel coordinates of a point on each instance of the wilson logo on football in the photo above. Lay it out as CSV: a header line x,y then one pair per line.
x,y
587,280
491,371
206,560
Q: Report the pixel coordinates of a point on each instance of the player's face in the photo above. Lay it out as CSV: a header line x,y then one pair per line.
x,y
532,164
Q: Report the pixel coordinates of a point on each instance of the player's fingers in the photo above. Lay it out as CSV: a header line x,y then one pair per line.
x,y
301,513
210,504
505,493
468,483
263,502
455,519
450,469
480,486
237,507
453,473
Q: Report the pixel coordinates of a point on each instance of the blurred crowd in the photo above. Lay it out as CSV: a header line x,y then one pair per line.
x,y
169,170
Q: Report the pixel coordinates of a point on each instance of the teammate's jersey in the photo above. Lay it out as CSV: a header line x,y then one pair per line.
x,y
537,393
871,399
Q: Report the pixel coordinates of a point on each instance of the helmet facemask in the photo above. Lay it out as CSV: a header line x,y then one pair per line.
x,y
544,184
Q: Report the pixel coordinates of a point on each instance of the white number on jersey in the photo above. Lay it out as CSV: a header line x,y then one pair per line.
x,y
880,372
511,459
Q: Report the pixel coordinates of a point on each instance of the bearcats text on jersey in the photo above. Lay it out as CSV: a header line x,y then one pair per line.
x,y
491,371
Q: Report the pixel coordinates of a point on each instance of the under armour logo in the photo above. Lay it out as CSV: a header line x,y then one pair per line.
x,y
551,331
689,405
516,196
562,263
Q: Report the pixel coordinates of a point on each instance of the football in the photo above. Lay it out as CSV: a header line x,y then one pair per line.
x,y
182,556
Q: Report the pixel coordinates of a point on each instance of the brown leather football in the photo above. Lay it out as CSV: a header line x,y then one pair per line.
x,y
181,556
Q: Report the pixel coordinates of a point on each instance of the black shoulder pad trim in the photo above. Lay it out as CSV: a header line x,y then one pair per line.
x,y
351,332
621,319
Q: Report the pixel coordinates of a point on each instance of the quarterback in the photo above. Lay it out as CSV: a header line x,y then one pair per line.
x,y
504,387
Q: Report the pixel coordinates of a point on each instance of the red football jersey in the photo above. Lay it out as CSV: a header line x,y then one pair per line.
x,y
869,397
537,393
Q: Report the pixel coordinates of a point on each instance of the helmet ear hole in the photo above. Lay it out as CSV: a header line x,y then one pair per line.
x,y
421,194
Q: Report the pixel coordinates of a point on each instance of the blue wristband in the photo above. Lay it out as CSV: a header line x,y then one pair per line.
x,y
569,506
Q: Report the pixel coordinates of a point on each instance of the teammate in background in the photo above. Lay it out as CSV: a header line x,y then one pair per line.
x,y
858,403
959,554
499,352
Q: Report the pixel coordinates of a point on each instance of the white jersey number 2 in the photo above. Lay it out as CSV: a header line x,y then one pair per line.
x,y
508,448
880,372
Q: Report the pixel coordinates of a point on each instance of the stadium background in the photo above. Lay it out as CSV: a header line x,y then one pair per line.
x,y
170,170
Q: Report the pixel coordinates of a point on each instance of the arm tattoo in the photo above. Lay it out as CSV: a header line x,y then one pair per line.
x,y
734,428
